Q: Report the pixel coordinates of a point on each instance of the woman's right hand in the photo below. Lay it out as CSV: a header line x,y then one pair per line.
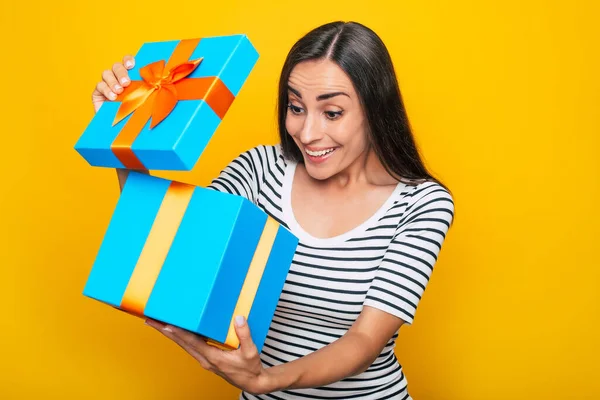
x,y
112,83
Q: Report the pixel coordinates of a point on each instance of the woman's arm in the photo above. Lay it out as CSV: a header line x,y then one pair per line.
x,y
350,355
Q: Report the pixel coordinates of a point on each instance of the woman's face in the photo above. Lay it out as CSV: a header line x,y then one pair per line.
x,y
325,118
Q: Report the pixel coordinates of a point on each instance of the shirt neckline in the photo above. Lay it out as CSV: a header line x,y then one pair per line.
x,y
307,238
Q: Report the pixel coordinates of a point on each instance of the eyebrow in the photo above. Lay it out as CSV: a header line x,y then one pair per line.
x,y
320,97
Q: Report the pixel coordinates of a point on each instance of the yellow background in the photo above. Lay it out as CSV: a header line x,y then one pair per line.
x,y
504,98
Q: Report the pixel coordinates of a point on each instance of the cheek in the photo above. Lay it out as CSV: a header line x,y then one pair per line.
x,y
349,132
293,125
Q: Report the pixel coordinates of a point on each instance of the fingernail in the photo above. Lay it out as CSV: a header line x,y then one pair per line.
x,y
118,87
239,320
124,81
129,64
112,96
167,329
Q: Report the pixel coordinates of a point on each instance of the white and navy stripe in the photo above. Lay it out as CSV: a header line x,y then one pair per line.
x,y
385,263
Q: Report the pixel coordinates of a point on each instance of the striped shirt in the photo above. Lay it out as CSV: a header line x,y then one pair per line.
x,y
385,262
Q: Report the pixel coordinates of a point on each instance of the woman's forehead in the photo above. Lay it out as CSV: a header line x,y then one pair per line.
x,y
319,75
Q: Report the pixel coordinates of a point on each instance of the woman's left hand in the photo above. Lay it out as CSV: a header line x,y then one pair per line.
x,y
241,367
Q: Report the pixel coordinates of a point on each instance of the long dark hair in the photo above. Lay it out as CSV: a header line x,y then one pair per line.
x,y
363,56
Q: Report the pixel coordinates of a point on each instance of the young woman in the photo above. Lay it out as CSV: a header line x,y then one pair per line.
x,y
348,181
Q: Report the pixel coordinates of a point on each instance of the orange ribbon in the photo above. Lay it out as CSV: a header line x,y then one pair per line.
x,y
156,80
155,96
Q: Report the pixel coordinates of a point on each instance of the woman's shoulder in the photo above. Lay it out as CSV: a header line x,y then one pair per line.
x,y
426,197
266,154
245,174
416,191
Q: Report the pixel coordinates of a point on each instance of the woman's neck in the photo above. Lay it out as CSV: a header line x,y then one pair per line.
x,y
366,170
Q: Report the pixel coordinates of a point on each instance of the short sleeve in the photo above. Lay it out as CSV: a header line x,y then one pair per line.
x,y
243,176
408,263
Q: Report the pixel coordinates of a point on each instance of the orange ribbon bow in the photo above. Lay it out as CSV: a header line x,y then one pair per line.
x,y
158,88
156,95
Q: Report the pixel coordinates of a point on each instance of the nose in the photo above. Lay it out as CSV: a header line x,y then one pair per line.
x,y
311,131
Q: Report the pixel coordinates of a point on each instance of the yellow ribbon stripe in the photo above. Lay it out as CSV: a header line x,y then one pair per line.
x,y
157,247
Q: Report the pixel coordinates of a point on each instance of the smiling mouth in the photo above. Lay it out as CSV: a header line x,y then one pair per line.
x,y
319,156
319,153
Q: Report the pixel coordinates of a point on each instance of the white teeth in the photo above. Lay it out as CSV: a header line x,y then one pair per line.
x,y
318,153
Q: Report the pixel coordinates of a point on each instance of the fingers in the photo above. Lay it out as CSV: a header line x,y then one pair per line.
x,y
154,323
128,62
110,79
207,356
115,79
103,90
113,82
247,346
211,353
204,362
121,74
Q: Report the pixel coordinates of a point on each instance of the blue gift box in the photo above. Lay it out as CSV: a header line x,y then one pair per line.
x,y
192,257
117,137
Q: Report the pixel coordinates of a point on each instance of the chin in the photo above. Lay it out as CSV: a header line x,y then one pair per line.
x,y
318,172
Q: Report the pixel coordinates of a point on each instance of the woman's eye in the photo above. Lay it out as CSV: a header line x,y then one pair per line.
x,y
294,109
333,114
